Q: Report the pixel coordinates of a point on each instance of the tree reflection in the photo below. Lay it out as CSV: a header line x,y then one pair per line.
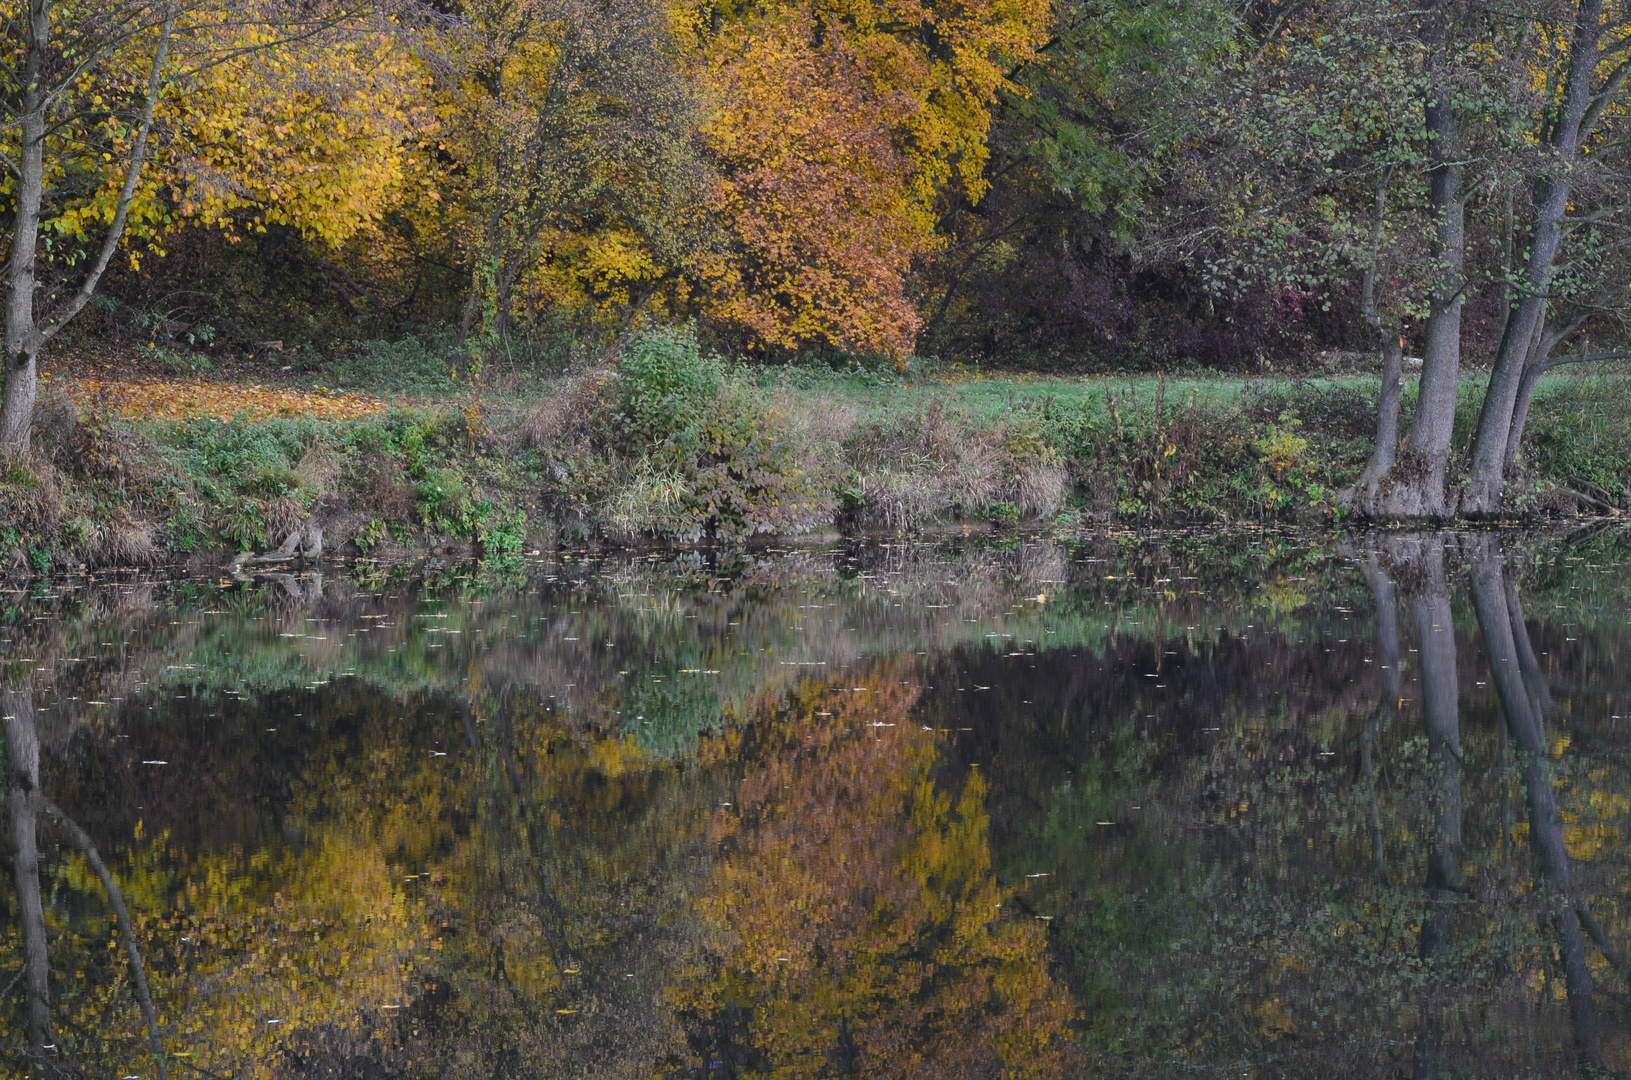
x,y
1441,717
863,931
23,757
1522,692
1271,831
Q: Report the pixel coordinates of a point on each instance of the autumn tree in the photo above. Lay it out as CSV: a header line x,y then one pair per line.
x,y
562,157
839,128
124,117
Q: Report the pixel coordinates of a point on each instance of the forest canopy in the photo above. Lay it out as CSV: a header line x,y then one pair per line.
x,y
1111,183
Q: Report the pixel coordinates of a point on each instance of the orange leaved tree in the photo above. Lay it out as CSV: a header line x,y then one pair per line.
x,y
838,125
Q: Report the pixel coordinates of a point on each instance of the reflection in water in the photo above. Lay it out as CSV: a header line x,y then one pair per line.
x,y
1207,806
864,932
1521,689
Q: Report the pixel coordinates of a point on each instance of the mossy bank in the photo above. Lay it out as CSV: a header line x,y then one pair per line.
x,y
669,444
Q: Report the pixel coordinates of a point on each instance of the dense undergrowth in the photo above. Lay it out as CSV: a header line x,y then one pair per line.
x,y
673,444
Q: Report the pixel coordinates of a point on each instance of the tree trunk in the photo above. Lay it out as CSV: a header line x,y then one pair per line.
x,y
1367,489
1364,494
23,753
1416,486
25,334
1536,364
22,378
1500,626
1482,494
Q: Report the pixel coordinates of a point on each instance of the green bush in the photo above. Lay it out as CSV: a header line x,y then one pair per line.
x,y
667,385
687,448
410,365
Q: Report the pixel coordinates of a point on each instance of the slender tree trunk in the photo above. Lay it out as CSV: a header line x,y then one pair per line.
x,y
1366,489
23,753
1535,365
1482,494
1435,634
22,378
1501,627
1417,482
25,334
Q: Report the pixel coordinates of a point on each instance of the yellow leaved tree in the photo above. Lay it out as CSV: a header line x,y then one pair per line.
x,y
125,118
837,127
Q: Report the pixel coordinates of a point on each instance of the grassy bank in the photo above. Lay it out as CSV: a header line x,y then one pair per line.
x,y
672,445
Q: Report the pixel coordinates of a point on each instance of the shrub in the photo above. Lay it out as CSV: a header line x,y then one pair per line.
x,y
410,365
675,445
667,384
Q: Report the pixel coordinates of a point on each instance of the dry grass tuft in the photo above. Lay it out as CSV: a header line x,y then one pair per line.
x,y
124,541
284,515
565,418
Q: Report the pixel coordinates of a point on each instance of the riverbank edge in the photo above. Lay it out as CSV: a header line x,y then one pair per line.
x,y
475,476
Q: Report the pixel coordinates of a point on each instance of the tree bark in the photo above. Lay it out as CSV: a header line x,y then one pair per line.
x,y
23,753
1416,487
22,378
1491,453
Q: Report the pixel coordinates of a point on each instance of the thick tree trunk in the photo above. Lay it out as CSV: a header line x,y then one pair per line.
x,y
23,753
1416,484
1493,451
1501,627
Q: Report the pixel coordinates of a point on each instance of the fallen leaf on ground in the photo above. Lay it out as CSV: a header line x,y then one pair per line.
x,y
178,399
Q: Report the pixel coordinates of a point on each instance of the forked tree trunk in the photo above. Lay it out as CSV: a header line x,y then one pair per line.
x,y
1501,627
1494,450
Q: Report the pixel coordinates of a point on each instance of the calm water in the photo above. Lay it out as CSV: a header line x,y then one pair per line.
x,y
1198,805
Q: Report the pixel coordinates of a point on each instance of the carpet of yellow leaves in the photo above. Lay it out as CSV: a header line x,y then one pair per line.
x,y
178,399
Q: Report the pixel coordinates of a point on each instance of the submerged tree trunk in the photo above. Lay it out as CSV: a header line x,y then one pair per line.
x,y
23,754
1494,448
1521,699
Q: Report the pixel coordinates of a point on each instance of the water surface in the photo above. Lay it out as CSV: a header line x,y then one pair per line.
x,y
1211,805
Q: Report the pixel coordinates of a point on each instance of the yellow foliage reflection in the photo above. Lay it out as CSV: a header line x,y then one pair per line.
x,y
863,928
